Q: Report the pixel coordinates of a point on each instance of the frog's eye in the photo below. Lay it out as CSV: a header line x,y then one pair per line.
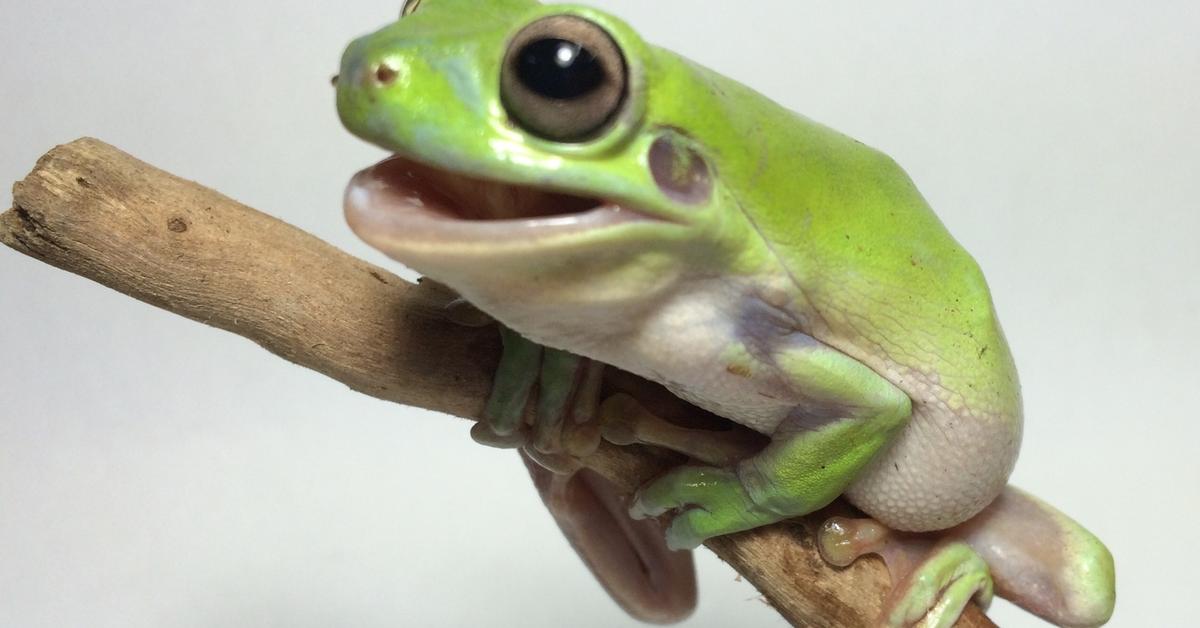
x,y
563,78
410,7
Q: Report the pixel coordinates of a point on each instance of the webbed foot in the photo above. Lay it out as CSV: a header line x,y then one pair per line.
x,y
935,594
932,582
629,558
563,429
711,502
1038,558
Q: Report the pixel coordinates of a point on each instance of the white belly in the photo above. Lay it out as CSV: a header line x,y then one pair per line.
x,y
689,346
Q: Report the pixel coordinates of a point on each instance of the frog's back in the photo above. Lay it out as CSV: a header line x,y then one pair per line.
x,y
883,281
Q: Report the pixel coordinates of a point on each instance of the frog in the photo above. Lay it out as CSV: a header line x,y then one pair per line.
x,y
612,204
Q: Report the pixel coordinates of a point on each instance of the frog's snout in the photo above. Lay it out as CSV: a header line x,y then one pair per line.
x,y
368,75
371,89
365,71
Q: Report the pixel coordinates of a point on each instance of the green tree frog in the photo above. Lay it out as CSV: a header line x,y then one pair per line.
x,y
612,203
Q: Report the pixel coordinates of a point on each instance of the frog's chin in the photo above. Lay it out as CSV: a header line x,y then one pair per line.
x,y
404,208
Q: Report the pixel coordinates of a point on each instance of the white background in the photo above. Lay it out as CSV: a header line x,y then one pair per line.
x,y
154,472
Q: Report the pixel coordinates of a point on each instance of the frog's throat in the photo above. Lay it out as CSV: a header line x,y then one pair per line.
x,y
399,203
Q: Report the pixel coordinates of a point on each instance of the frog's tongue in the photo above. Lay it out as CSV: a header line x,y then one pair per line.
x,y
401,200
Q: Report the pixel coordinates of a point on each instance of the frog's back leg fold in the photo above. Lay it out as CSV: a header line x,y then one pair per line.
x,y
1042,560
629,558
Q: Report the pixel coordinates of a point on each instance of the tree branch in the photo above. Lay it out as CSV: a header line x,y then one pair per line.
x,y
93,210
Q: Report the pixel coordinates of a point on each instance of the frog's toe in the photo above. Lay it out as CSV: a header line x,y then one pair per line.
x,y
564,428
712,502
692,527
555,463
566,422
934,595
678,488
932,581
484,434
503,416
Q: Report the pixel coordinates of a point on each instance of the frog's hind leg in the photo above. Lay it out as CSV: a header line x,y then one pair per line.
x,y
624,421
1042,560
932,581
845,415
629,558
1037,557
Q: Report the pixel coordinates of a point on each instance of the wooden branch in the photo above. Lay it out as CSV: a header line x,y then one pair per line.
x,y
93,210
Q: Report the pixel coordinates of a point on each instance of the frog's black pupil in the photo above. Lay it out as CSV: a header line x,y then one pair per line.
x,y
559,69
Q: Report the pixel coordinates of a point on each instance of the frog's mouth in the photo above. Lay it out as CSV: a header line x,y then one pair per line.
x,y
400,202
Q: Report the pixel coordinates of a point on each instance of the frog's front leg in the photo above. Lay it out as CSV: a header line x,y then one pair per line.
x,y
846,414
566,386
629,558
1039,559
516,377
564,427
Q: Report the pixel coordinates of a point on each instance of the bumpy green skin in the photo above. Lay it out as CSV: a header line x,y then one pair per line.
x,y
823,229
834,230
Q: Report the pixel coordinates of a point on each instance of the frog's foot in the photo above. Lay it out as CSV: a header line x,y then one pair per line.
x,y
564,428
515,378
1039,558
710,501
624,421
567,388
502,423
936,593
629,558
566,422
932,582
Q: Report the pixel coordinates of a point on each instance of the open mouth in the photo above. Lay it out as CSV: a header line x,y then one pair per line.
x,y
400,200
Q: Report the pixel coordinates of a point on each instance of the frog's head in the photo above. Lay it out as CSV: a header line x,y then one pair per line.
x,y
544,154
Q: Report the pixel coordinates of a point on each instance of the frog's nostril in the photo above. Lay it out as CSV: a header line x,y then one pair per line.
x,y
385,74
